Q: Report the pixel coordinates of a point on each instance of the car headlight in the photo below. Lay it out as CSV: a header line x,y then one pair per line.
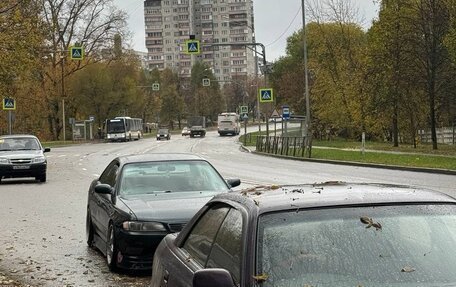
x,y
143,226
39,159
158,135
4,161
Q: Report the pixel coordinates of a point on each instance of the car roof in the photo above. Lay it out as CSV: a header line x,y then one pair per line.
x,y
18,136
157,157
331,194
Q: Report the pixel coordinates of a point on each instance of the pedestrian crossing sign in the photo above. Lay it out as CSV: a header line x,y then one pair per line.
x,y
76,53
266,95
192,47
9,104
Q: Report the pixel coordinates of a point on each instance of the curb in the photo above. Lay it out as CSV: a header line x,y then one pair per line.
x,y
360,164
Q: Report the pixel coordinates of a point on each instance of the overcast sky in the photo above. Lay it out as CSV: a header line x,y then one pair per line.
x,y
275,20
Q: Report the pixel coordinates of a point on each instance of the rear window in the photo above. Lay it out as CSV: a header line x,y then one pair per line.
x,y
412,245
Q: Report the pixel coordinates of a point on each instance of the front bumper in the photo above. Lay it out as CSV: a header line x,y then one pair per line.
x,y
22,170
136,249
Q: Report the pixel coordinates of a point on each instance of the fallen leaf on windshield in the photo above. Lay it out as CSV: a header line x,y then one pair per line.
x,y
407,269
261,277
370,222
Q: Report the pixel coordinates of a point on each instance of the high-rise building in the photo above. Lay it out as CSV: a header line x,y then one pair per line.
x,y
169,23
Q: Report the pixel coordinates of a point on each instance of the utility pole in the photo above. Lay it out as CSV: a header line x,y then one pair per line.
x,y
306,78
62,62
258,115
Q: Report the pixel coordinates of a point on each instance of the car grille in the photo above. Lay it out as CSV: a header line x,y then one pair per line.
x,y
176,227
21,161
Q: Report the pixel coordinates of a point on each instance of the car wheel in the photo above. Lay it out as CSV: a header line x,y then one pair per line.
x,y
89,230
111,249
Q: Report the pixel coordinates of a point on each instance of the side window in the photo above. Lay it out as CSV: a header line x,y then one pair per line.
x,y
199,242
110,173
227,249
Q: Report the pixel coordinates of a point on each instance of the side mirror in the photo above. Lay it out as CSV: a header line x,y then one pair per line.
x,y
47,149
212,277
103,188
234,182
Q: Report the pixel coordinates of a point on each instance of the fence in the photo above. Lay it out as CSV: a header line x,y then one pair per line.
x,y
292,146
444,135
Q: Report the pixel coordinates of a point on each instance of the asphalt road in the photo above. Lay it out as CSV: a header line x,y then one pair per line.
x,y
43,227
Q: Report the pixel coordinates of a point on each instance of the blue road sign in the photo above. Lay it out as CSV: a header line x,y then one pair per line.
x,y
76,53
266,95
193,47
286,112
9,104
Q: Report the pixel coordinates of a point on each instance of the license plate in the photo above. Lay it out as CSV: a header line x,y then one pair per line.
x,y
21,167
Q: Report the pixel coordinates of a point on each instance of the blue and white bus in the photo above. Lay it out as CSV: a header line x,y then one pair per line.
x,y
124,129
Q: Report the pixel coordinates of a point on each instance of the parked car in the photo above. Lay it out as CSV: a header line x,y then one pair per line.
x,y
138,199
22,156
185,131
331,234
163,134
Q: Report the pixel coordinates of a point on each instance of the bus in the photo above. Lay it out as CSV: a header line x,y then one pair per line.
x,y
124,129
228,123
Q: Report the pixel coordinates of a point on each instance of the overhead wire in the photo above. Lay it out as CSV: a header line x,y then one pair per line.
x,y
286,30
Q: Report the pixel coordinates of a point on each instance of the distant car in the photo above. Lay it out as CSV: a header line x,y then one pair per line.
x,y
331,234
185,131
22,156
138,199
163,134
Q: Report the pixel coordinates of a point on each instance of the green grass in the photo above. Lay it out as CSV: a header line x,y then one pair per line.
x,y
378,153
418,160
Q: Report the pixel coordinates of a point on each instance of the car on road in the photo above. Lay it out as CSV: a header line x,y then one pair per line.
x,y
185,131
163,134
138,199
329,234
22,156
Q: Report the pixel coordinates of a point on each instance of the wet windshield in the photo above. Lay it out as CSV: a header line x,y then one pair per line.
x,y
369,246
171,179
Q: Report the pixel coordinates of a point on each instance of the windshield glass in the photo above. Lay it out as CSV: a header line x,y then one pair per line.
x,y
171,179
116,126
403,246
20,143
162,131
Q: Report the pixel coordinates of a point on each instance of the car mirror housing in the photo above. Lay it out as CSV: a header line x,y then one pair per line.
x,y
103,188
212,277
234,182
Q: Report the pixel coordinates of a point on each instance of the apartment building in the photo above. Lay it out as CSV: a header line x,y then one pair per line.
x,y
169,23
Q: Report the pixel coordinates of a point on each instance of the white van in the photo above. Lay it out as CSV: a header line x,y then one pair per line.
x,y
228,123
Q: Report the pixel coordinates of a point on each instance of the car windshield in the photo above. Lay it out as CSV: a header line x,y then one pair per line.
x,y
171,179
163,131
368,246
19,143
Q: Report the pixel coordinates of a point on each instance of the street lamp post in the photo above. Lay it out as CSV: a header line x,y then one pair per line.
x,y
306,78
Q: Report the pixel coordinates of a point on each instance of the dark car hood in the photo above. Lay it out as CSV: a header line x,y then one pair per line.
x,y
18,154
177,209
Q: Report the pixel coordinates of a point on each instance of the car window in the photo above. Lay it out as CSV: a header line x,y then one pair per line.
x,y
19,143
176,178
199,242
109,174
227,248
368,246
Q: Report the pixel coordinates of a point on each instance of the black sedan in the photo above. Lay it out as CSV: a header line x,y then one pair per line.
x,y
138,199
331,234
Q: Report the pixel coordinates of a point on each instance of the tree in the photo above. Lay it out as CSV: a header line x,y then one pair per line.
x,y
172,105
21,41
204,101
88,23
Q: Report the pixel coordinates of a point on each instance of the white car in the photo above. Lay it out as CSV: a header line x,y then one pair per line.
x,y
185,131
